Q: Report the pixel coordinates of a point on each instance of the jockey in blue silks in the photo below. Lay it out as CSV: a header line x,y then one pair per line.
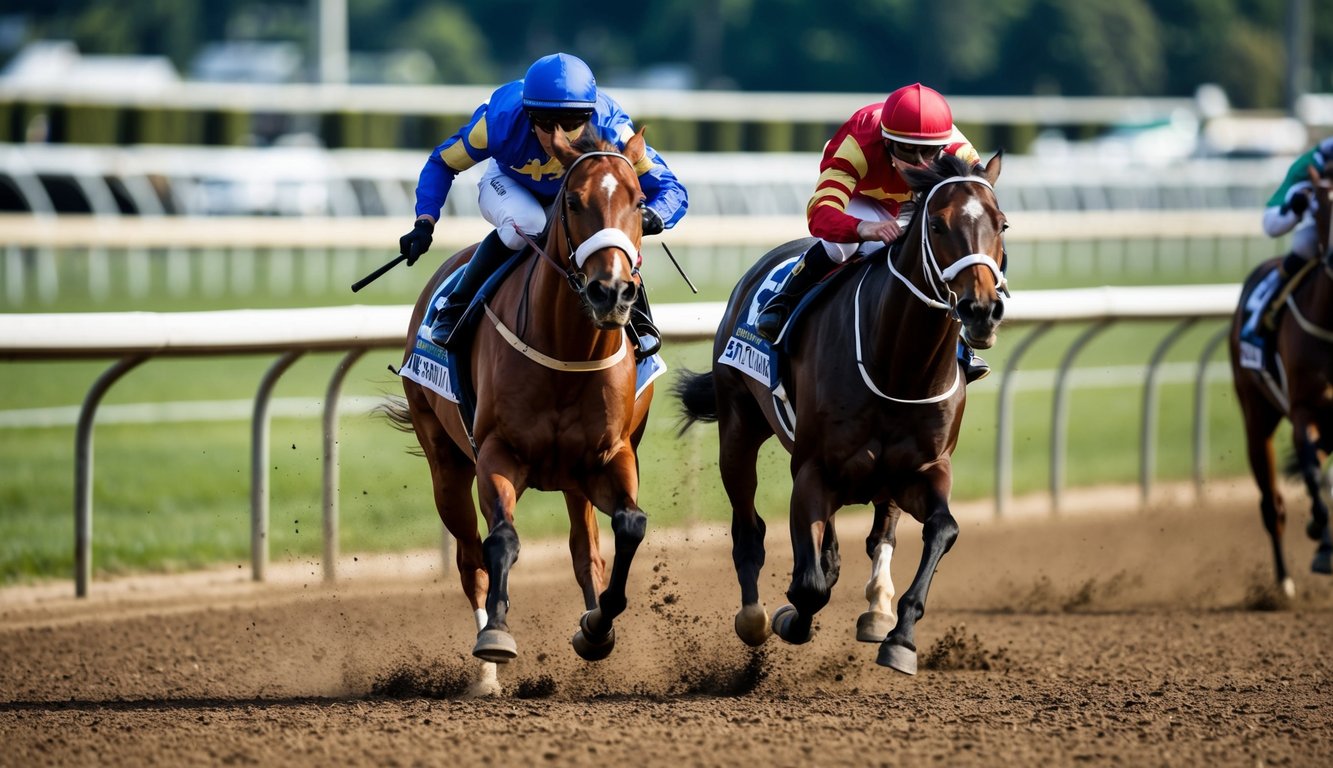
x,y
513,132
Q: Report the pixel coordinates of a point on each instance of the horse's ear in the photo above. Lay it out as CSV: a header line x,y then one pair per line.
x,y
637,146
992,169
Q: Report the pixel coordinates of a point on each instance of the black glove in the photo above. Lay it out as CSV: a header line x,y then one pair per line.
x,y
652,223
416,242
1297,202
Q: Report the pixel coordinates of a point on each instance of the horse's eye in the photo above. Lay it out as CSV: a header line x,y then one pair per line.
x,y
575,206
1004,227
937,225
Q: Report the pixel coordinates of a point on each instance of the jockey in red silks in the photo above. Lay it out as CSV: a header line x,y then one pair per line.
x,y
862,200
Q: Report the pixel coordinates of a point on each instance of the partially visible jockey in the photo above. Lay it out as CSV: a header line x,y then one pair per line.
x,y
513,132
1289,209
862,200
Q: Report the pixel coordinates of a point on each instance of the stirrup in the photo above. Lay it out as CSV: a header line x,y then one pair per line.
x,y
776,307
975,369
446,325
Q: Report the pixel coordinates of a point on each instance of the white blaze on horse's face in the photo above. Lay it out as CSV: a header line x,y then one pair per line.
x,y
609,184
973,209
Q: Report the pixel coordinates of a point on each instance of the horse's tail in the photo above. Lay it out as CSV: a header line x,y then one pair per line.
x,y
698,398
394,410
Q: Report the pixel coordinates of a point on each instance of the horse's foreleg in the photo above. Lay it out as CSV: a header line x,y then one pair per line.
x,y
452,474
617,490
898,651
585,548
498,494
1260,421
1305,436
874,625
738,453
811,508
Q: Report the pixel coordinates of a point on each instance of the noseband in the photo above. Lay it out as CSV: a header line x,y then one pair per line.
x,y
938,279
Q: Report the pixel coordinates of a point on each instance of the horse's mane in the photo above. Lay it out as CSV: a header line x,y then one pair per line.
x,y
945,166
591,141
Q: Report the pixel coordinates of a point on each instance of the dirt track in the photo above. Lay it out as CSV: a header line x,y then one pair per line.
x,y
1101,638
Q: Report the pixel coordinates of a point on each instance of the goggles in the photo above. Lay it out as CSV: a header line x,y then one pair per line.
x,y
915,154
568,120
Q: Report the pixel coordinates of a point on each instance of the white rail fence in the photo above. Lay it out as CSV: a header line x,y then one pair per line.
x,y
133,338
46,259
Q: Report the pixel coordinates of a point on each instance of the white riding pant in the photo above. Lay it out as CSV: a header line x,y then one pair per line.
x,y
863,209
510,206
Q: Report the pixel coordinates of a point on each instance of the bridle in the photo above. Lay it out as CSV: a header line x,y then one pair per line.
x,y
609,237
937,280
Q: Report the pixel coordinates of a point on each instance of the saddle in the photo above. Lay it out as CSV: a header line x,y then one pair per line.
x,y
768,362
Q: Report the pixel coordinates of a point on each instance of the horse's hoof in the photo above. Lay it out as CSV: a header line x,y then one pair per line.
x,y
1323,561
874,626
782,626
897,657
495,645
752,625
586,647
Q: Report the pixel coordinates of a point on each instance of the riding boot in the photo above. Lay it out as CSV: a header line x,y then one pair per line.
x,y
647,339
814,265
1287,272
974,368
485,260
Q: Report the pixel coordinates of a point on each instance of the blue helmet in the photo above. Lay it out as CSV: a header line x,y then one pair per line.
x,y
559,81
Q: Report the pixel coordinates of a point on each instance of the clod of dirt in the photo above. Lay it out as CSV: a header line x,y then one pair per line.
x,y
539,687
956,651
410,682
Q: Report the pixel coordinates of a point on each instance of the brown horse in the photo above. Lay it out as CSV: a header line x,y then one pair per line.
x,y
878,397
556,407
1302,391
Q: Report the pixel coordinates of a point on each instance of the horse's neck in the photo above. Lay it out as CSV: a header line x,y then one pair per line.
x,y
905,343
557,322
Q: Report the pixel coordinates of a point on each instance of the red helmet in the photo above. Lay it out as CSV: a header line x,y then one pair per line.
x,y
915,114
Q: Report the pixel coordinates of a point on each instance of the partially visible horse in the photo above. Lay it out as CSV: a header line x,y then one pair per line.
x,y
878,396
556,410
1302,391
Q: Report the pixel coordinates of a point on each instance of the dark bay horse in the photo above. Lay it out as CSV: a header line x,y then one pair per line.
x,y
878,397
1302,391
556,407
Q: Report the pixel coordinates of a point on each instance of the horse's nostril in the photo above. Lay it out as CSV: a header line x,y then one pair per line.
x,y
966,309
997,311
629,293
597,293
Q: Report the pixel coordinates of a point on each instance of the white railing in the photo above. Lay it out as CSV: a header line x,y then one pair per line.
x,y
135,337
47,258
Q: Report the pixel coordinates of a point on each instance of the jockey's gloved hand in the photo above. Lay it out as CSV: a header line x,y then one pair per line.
x,y
652,223
1297,202
416,242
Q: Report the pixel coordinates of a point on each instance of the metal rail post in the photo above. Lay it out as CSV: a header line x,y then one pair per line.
x,y
1060,411
1201,410
83,472
1004,459
331,462
259,453
1148,433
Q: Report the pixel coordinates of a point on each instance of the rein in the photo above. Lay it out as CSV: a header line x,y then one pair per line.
x,y
550,362
865,375
938,279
